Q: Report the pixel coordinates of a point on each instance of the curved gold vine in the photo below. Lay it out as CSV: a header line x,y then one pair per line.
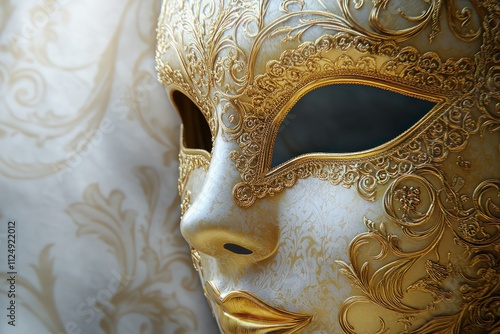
x,y
426,208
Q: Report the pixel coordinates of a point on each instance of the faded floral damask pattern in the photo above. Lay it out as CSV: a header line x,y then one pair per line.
x,y
88,170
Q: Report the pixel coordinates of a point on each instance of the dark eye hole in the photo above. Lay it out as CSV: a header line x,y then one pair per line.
x,y
345,118
196,132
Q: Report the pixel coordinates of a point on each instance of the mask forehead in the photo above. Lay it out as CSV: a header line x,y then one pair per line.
x,y
212,48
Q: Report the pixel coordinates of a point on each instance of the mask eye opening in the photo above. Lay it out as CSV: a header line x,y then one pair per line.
x,y
349,119
196,131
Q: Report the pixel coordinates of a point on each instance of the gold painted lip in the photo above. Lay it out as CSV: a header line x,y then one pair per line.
x,y
240,312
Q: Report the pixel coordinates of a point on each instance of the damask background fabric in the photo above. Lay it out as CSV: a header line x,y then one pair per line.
x,y
88,175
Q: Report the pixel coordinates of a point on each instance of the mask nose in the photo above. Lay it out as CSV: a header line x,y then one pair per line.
x,y
215,225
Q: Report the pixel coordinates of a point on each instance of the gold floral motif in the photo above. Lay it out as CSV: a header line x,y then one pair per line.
x,y
431,282
381,279
409,198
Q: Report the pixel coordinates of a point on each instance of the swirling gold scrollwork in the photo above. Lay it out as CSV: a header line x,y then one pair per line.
x,y
210,58
426,209
458,19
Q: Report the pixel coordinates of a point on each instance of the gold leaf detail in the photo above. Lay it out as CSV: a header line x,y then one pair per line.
x,y
381,279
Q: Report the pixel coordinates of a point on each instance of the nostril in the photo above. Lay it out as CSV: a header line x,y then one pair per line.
x,y
237,249
219,239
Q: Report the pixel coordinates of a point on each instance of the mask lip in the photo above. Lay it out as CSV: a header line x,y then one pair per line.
x,y
372,153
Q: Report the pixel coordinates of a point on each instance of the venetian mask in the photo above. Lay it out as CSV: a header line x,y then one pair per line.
x,y
340,161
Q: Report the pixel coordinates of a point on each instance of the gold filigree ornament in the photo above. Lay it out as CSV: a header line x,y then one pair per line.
x,y
433,225
426,259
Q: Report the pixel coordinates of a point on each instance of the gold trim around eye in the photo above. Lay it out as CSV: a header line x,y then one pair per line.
x,y
388,146
347,58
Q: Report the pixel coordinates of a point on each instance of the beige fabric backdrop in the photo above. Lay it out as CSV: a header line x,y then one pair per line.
x,y
88,170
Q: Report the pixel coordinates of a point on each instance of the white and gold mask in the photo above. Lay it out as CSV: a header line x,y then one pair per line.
x,y
299,226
